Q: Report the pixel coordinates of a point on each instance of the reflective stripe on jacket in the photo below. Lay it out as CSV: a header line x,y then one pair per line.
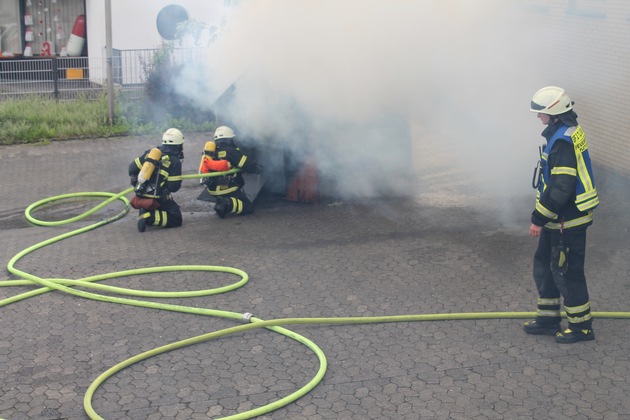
x,y
585,192
567,190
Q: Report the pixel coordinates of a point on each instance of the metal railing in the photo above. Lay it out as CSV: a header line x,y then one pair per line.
x,y
131,67
65,78
56,77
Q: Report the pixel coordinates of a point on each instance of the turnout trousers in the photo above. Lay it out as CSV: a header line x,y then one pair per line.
x,y
571,286
168,215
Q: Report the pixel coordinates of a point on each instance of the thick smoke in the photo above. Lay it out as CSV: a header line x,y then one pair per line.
x,y
382,93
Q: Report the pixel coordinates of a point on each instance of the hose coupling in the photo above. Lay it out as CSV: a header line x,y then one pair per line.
x,y
246,317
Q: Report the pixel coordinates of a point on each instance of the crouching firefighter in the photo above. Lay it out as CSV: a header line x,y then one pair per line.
x,y
155,175
222,155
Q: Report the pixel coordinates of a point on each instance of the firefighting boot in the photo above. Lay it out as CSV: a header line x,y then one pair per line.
x,y
144,219
574,333
536,328
222,207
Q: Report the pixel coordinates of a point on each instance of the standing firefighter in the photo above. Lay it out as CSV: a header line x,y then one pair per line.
x,y
565,201
222,155
155,175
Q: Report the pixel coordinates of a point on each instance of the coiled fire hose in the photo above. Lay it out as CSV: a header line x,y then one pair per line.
x,y
92,282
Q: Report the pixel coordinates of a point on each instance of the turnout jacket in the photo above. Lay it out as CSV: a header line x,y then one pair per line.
x,y
229,154
566,194
166,176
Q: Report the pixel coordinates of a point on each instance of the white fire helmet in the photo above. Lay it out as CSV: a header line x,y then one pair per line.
x,y
223,132
172,136
551,100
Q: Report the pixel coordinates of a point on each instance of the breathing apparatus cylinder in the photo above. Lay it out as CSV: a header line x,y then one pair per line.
x,y
152,160
208,150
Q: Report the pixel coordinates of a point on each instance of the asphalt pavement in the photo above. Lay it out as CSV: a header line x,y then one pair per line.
x,y
433,252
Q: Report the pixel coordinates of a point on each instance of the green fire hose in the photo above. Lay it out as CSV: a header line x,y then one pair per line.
x,y
251,322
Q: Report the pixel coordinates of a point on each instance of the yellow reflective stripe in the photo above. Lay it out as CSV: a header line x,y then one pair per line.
x,y
587,205
587,200
564,170
548,313
578,309
571,223
175,178
579,141
219,191
237,206
587,195
138,164
164,173
585,177
583,173
161,218
544,211
547,301
579,319
242,162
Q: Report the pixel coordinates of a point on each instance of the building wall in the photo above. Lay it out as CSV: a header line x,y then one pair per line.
x,y
97,41
134,25
588,53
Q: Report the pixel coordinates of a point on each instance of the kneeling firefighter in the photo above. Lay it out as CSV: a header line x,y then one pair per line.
x,y
155,175
221,155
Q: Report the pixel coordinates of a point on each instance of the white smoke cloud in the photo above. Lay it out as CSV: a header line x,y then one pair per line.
x,y
377,86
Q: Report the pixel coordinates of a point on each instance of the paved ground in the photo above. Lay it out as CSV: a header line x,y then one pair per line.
x,y
436,251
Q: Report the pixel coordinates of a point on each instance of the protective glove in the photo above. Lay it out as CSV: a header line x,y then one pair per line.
x,y
133,180
166,194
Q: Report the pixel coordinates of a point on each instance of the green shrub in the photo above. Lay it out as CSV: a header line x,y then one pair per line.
x,y
162,99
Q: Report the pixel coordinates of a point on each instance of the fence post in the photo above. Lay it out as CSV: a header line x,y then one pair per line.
x,y
110,64
55,67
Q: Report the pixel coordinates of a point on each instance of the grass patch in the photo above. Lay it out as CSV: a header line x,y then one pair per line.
x,y
37,120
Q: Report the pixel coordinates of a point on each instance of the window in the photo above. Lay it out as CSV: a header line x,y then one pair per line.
x,y
10,34
48,25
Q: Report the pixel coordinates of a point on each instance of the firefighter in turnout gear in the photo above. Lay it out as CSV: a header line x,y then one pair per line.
x,y
565,199
222,155
156,174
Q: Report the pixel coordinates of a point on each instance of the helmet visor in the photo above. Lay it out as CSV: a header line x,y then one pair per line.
x,y
536,107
